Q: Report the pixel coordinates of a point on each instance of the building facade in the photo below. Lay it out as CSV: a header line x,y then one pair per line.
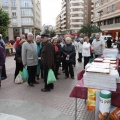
x,y
74,14
107,16
25,16
58,24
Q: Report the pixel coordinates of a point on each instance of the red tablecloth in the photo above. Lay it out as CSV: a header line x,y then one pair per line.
x,y
79,91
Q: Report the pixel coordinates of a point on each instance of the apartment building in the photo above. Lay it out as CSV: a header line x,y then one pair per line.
x,y
58,24
65,16
25,16
74,14
88,7
107,15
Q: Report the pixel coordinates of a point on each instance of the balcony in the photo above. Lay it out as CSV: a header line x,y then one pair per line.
x,y
76,23
63,17
77,1
75,28
74,18
64,21
63,26
76,12
63,3
79,6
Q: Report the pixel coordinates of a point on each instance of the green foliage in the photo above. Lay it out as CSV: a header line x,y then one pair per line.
x,y
47,31
89,29
4,22
52,34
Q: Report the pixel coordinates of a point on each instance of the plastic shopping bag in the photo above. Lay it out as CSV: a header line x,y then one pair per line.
x,y
25,74
18,79
51,77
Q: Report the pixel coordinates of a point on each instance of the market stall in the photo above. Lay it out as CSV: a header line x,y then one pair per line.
x,y
9,50
101,74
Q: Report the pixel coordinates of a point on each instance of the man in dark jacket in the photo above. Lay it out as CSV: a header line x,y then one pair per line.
x,y
47,57
2,61
2,43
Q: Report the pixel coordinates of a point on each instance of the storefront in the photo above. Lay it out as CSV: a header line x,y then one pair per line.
x,y
113,33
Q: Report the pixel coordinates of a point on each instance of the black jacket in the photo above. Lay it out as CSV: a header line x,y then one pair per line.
x,y
18,53
68,49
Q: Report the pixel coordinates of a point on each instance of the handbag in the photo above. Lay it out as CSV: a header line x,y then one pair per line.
x,y
51,77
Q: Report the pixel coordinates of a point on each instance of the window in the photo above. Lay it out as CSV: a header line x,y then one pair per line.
x,y
108,10
27,21
113,7
97,4
13,2
102,2
105,22
26,3
110,21
14,21
5,2
117,20
14,13
26,12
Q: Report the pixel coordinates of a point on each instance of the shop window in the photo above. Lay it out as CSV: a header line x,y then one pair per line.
x,y
117,20
110,21
104,22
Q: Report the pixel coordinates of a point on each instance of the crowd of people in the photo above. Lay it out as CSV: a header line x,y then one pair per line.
x,y
41,54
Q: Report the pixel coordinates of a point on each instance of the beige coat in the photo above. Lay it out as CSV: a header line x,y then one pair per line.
x,y
29,54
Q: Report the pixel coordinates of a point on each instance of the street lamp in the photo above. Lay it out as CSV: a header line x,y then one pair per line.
x,y
100,13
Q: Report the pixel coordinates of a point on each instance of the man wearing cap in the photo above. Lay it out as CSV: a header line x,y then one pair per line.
x,y
47,57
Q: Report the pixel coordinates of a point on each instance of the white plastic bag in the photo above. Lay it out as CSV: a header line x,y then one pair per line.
x,y
18,79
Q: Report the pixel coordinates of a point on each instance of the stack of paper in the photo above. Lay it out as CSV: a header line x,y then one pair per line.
x,y
101,81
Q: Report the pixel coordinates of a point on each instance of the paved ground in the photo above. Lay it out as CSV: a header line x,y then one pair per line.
x,y
30,103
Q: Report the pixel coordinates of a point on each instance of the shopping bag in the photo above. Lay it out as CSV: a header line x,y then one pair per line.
x,y
18,79
25,74
51,77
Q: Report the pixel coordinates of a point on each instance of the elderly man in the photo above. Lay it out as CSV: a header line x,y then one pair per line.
x,y
30,58
98,46
47,57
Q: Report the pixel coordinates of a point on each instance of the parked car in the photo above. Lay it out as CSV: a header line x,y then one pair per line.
x,y
105,37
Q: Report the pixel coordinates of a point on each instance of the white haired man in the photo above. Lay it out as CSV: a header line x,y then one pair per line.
x,y
98,46
30,58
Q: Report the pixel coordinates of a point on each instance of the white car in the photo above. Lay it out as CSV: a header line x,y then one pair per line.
x,y
105,37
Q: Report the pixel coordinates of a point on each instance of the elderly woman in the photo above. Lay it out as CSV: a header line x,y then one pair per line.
x,y
68,52
18,58
86,50
39,47
57,55
17,42
2,60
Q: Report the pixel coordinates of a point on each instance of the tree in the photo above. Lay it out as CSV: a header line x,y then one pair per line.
x,y
47,31
4,22
89,29
52,33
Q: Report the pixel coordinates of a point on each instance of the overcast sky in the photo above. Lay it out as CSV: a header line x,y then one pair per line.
x,y
50,10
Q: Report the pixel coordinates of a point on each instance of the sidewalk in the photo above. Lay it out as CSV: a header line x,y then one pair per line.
x,y
29,111
32,104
